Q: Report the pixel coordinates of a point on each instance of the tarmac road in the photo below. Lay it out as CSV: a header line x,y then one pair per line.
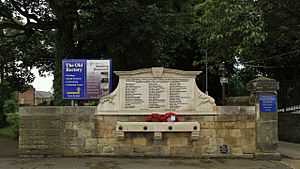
x,y
290,150
136,163
290,153
9,160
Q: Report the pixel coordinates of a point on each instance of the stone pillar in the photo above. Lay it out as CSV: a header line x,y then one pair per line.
x,y
263,94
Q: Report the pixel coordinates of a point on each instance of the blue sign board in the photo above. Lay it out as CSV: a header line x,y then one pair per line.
x,y
73,79
86,78
267,103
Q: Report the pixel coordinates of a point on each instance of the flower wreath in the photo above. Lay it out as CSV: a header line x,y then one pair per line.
x,y
169,114
162,118
154,116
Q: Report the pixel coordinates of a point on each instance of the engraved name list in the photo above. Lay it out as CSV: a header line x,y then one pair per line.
x,y
157,94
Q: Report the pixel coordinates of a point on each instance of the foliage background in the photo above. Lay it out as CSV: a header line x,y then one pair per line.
x,y
252,37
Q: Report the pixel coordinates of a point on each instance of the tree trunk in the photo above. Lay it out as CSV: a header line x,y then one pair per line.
x,y
2,116
66,14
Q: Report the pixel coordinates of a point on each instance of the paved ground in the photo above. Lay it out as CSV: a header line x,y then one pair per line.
x,y
8,148
290,150
290,153
9,160
137,163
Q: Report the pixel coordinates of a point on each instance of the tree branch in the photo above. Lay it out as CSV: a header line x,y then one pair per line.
x,y
40,24
6,25
25,13
13,36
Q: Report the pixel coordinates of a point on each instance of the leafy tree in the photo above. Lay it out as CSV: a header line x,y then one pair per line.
x,y
227,31
141,33
134,33
13,74
20,41
278,56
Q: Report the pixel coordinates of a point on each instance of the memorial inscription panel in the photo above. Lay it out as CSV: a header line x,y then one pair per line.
x,y
157,94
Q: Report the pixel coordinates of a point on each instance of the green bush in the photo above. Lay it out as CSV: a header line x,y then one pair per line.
x,y
7,132
10,106
44,103
13,121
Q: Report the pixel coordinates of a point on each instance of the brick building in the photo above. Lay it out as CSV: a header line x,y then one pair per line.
x,y
42,97
32,97
27,97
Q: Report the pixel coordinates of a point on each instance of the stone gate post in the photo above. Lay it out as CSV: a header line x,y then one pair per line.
x,y
263,94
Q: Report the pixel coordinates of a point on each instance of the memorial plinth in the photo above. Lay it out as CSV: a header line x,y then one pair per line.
x,y
134,121
159,90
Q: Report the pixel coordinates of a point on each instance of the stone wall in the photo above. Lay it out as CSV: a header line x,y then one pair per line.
x,y
40,131
237,101
77,131
118,127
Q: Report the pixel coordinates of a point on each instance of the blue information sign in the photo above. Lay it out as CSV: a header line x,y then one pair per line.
x,y
73,79
267,103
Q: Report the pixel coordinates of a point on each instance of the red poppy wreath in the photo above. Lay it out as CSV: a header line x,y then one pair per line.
x,y
170,116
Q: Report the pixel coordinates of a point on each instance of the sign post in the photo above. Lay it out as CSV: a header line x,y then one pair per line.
x,y
73,79
86,79
97,78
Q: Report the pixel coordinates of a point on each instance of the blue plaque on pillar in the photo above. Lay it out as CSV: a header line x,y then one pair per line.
x,y
267,103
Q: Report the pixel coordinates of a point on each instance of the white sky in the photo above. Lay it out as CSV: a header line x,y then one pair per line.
x,y
42,83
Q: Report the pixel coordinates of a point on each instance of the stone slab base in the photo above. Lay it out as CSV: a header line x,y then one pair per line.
x,y
76,131
267,156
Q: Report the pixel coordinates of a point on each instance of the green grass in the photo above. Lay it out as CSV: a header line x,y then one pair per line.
x,y
7,132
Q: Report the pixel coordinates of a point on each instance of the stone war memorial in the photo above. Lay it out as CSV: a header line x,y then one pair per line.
x,y
156,112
